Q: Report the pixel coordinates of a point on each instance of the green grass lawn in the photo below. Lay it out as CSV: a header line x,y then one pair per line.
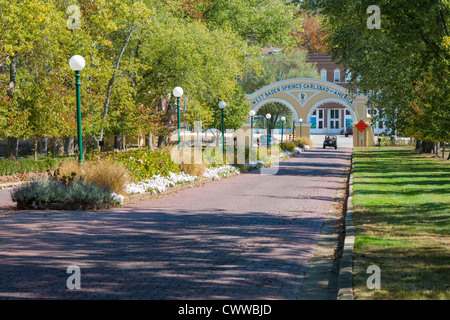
x,y
401,215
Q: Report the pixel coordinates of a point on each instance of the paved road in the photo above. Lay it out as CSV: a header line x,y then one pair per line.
x,y
5,200
343,141
245,237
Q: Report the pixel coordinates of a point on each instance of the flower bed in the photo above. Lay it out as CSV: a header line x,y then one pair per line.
x,y
216,173
158,183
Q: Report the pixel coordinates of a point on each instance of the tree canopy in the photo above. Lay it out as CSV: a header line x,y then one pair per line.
x,y
136,52
403,65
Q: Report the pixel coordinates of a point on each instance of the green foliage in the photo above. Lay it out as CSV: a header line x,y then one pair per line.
x,y
404,66
144,164
288,145
287,64
10,167
136,52
259,22
41,192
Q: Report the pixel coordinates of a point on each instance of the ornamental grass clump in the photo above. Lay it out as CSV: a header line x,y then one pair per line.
x,y
103,173
302,142
108,174
288,145
195,166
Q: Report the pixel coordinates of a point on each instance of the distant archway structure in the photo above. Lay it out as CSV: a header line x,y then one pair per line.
x,y
318,103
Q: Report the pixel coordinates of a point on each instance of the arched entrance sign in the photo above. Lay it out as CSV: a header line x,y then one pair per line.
x,y
324,107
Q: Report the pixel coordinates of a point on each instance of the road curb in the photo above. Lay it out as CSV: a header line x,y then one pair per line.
x,y
321,281
346,266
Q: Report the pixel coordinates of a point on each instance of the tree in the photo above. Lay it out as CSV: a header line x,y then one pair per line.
x,y
187,54
260,22
276,67
406,62
33,54
311,37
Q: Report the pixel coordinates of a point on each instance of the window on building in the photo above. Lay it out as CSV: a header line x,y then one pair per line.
x,y
337,75
380,124
348,76
314,113
323,74
347,112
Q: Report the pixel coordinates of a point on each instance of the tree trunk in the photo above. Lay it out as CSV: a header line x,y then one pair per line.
x,y
418,144
69,146
35,148
162,141
12,149
43,146
150,141
443,150
59,146
118,141
113,78
436,148
427,146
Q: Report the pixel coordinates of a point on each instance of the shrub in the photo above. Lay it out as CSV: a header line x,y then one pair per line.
x,y
39,193
9,167
144,164
68,169
301,142
288,145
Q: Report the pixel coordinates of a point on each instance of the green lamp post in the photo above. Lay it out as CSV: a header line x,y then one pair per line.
x,y
77,64
268,116
222,106
178,93
252,113
283,120
293,129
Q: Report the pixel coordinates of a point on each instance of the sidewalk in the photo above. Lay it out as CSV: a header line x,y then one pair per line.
x,y
246,237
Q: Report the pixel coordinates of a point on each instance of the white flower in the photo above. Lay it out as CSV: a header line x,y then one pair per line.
x,y
159,184
222,171
118,198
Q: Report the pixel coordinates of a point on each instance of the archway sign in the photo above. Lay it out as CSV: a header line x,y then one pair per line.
x,y
323,106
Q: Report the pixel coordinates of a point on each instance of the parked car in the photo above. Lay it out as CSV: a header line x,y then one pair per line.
x,y
263,140
330,141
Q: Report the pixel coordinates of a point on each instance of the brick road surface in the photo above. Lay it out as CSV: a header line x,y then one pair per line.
x,y
245,237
